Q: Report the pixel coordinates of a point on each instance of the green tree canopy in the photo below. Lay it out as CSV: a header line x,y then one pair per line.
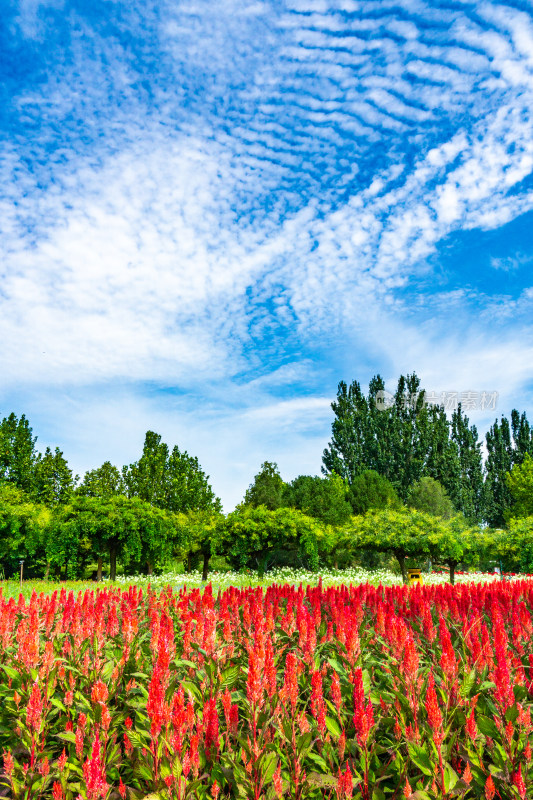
x,y
172,480
403,440
198,528
402,532
321,498
454,542
520,485
53,480
105,481
513,547
22,526
17,452
267,488
429,495
116,527
253,537
507,442
372,490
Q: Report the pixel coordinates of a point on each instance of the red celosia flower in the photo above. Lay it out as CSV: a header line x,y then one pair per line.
x,y
215,791
44,767
433,711
345,784
518,781
94,772
277,781
467,774
289,691
121,788
8,763
57,791
99,692
318,707
407,791
211,726
336,691
363,718
34,709
490,789
471,727
254,687
62,760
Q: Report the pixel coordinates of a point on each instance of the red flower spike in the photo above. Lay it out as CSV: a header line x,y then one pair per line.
x,y
490,789
518,782
277,781
57,791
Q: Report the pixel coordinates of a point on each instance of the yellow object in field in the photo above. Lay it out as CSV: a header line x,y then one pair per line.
x,y
414,576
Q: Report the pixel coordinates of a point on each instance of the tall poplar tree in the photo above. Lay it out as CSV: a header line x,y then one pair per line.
x,y
17,452
508,442
172,480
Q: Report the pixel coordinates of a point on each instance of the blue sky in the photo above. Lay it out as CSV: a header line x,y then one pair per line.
x,y
212,212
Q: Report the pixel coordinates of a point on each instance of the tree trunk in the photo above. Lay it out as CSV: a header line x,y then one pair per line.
x,y
47,573
112,562
150,567
99,569
205,569
452,572
400,557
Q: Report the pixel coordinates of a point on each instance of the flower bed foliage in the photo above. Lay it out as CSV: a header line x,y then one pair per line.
x,y
318,692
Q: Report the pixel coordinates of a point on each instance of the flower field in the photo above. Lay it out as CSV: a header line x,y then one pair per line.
x,y
318,692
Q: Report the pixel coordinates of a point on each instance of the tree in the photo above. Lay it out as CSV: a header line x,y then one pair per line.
x,y
22,526
105,481
513,548
17,452
508,443
118,527
321,498
520,484
199,528
267,488
467,495
372,490
170,480
254,537
53,482
453,542
429,495
401,532
402,442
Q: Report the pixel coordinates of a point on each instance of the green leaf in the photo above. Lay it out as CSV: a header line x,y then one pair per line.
x,y
333,727
303,742
268,767
67,736
468,683
420,758
450,778
487,726
230,676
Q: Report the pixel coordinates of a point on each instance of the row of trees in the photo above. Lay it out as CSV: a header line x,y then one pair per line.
x,y
63,542
383,467
412,439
